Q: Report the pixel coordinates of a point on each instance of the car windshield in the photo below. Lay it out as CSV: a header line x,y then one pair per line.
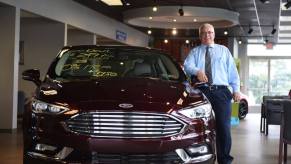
x,y
113,62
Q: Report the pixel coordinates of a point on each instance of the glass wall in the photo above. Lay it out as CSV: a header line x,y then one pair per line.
x,y
269,71
280,76
258,79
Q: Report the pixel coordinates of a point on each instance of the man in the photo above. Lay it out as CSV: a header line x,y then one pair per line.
x,y
213,64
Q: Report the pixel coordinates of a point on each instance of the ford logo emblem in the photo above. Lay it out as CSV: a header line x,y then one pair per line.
x,y
125,106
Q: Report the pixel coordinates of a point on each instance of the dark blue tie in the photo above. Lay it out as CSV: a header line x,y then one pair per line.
x,y
208,71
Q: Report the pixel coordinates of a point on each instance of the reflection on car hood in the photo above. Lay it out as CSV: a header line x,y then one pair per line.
x,y
108,93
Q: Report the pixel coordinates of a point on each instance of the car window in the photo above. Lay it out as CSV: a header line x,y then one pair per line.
x,y
108,63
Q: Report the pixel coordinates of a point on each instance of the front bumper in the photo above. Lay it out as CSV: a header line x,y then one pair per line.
x,y
69,155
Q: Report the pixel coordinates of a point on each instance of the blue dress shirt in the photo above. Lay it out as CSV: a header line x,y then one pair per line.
x,y
223,67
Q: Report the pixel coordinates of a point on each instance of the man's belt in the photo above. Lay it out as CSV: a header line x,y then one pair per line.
x,y
213,87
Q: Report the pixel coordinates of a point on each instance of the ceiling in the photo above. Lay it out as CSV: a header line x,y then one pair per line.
x,y
254,14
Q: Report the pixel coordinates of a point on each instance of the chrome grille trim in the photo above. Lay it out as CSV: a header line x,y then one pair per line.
x,y
125,124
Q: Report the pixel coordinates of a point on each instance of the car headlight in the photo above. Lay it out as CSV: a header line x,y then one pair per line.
x,y
43,107
202,111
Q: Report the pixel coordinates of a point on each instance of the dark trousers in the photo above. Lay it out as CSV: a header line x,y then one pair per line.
x,y
220,100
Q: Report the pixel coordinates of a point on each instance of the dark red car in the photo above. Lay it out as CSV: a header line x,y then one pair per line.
x,y
116,104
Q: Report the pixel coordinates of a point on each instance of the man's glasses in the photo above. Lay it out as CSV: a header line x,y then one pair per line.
x,y
207,33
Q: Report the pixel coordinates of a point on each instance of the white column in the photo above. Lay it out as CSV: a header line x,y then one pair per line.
x,y
9,58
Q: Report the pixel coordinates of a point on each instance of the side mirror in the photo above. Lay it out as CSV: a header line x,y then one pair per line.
x,y
32,75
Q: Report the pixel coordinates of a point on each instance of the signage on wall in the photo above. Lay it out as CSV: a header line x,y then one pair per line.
x,y
269,45
120,35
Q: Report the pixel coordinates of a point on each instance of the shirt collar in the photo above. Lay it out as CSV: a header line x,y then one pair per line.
x,y
210,46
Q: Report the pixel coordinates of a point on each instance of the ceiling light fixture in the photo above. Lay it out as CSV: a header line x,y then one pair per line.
x,y
181,11
149,32
274,30
225,32
265,1
250,30
288,4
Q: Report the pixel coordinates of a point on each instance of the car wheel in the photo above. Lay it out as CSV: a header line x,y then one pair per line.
x,y
243,109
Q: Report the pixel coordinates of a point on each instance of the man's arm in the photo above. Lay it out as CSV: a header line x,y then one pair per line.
x,y
189,64
233,77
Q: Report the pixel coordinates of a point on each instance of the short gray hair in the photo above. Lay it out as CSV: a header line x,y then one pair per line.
x,y
203,26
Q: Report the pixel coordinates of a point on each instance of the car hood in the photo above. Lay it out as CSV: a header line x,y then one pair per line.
x,y
107,94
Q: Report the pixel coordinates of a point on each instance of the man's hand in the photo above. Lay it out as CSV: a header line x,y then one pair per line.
x,y
236,96
201,76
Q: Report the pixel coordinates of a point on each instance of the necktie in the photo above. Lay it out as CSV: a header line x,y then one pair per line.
x,y
208,71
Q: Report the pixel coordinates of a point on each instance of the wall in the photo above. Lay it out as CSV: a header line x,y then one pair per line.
x,y
78,37
42,39
72,13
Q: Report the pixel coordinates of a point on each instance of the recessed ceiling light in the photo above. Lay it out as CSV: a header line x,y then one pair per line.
x,y
155,8
225,32
284,27
187,41
284,40
113,2
174,32
174,20
282,35
265,1
166,41
149,32
285,18
194,20
150,17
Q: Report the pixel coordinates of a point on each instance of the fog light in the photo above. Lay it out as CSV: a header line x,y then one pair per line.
x,y
198,150
44,147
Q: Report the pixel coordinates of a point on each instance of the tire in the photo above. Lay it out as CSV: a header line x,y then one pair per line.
x,y
243,109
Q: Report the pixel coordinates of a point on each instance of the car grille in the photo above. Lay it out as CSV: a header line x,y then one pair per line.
x,y
125,124
167,158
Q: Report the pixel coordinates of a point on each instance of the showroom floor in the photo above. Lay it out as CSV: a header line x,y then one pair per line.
x,y
249,145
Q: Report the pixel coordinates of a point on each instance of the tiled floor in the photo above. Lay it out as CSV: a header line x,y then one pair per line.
x,y
249,145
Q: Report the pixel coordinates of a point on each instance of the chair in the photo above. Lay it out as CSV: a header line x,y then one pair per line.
x,y
273,110
285,130
263,110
